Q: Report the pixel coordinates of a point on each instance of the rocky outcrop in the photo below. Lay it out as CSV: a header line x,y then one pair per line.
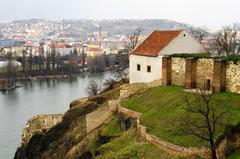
x,y
39,124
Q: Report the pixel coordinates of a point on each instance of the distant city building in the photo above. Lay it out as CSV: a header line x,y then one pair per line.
x,y
93,52
10,42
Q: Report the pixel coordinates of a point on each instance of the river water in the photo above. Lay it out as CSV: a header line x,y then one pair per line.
x,y
37,97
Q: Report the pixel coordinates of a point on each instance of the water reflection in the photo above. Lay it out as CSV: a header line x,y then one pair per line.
x,y
37,97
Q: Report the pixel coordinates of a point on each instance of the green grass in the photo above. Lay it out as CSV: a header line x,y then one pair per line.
x,y
127,146
235,155
162,107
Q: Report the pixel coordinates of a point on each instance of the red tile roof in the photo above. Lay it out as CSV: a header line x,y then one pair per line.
x,y
155,42
94,49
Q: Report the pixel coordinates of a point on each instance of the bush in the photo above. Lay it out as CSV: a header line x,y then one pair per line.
x,y
109,83
93,88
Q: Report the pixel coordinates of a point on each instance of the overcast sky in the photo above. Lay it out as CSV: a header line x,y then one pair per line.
x,y
210,13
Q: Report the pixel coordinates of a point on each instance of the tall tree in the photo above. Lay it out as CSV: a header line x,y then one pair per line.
x,y
53,57
48,60
204,119
24,62
133,39
30,60
226,41
11,69
199,33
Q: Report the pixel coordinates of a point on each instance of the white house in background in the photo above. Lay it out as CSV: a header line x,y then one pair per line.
x,y
146,59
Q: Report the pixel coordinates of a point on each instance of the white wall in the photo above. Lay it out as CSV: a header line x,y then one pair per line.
x,y
143,75
182,44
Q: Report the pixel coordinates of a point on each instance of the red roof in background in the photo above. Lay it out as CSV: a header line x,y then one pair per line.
x,y
94,49
59,46
155,42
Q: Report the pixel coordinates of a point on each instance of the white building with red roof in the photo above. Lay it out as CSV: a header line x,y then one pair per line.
x,y
146,59
93,52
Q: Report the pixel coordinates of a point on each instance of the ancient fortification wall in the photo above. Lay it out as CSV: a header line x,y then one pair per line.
x,y
204,71
97,118
39,124
178,71
128,90
214,74
233,77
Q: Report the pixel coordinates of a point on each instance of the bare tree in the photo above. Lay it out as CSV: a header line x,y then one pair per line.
x,y
133,39
97,64
53,57
48,60
30,60
93,88
226,41
11,69
199,33
24,62
40,61
203,119
109,83
119,73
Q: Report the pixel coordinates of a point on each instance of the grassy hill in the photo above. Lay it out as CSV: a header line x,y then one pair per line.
x,y
125,145
162,108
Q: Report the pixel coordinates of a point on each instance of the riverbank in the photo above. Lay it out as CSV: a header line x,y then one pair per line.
x,y
38,97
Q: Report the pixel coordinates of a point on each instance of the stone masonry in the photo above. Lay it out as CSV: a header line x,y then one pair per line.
x,y
190,76
213,74
178,71
233,77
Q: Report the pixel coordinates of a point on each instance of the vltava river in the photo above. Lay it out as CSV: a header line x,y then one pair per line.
x,y
37,97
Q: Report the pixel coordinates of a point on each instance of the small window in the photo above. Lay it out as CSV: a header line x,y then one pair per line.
x,y
148,68
138,67
184,35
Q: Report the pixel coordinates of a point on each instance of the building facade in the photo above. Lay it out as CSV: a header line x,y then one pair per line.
x,y
146,60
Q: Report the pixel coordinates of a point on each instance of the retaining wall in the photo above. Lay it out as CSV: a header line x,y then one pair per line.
x,y
98,117
163,145
127,90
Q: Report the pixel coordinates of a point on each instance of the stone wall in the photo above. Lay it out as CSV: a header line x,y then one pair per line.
x,y
233,77
178,71
196,73
128,90
163,145
204,71
39,124
98,117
